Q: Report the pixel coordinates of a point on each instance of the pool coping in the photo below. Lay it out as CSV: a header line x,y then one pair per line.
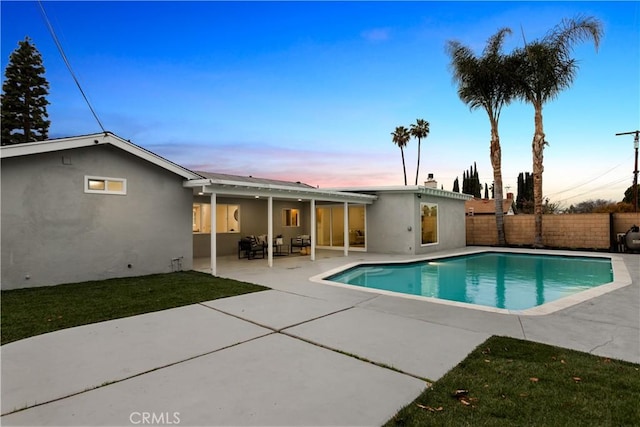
x,y
621,278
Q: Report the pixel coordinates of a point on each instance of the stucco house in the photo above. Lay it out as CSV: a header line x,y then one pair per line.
x,y
91,207
98,206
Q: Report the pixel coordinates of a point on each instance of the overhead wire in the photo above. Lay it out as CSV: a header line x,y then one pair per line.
x,y
573,187
68,64
593,190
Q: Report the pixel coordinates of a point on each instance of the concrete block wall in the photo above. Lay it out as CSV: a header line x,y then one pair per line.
x,y
579,231
622,222
576,231
519,229
481,230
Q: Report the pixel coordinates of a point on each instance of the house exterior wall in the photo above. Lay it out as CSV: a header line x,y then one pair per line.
x,y
53,232
394,224
253,221
388,222
451,224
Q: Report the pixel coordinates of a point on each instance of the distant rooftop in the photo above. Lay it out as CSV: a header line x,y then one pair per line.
x,y
488,206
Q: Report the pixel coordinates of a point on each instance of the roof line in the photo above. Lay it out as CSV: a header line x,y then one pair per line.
x,y
51,145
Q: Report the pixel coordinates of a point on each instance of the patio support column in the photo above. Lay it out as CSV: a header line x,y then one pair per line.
x,y
346,228
313,230
214,254
270,230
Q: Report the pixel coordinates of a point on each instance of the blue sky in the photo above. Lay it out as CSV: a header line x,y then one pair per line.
x,y
311,91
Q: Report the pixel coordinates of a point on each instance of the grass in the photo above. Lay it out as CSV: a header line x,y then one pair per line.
x,y
35,311
507,382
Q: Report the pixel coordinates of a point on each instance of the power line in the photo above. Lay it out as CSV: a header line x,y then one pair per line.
x,y
585,182
68,64
593,190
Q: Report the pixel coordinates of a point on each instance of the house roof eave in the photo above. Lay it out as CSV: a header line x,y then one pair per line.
x,y
51,145
249,189
413,189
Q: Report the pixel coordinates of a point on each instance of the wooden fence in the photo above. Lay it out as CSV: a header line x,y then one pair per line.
x,y
572,231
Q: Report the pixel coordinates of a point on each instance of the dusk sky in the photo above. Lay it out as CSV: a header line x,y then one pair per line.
x,y
311,91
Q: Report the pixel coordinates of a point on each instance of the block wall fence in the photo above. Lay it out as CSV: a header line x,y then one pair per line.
x,y
575,231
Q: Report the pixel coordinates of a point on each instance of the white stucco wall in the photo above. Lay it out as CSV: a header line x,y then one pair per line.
x,y
53,232
388,221
394,225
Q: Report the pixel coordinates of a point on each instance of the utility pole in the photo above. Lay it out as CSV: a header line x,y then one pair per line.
x,y
636,139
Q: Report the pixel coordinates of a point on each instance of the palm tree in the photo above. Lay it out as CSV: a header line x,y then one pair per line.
x,y
419,130
546,68
486,82
401,137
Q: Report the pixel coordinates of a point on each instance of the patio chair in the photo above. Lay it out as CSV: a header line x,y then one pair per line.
x,y
249,247
302,241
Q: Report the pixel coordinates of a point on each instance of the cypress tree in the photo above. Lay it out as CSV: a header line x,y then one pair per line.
x,y
486,191
456,186
24,102
465,183
524,200
477,187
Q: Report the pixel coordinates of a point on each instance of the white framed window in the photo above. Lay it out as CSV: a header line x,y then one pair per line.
x,y
201,218
227,218
291,217
429,223
105,185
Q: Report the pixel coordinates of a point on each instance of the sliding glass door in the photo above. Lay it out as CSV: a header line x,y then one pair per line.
x,y
330,226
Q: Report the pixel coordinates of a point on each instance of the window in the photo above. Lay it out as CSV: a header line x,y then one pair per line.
x,y
291,217
102,185
429,220
201,218
227,218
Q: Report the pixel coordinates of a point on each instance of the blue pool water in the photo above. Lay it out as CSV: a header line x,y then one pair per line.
x,y
501,280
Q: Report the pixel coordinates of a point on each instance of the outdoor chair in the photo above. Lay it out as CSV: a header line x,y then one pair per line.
x,y
249,247
300,242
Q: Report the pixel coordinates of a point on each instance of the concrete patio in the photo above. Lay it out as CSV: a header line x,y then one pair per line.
x,y
283,356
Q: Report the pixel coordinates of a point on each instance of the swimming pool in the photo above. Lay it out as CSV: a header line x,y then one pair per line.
x,y
502,281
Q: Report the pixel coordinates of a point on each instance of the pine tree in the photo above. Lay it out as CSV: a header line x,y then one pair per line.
x,y
24,102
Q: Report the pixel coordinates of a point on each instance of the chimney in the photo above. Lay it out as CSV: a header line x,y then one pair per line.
x,y
430,182
510,196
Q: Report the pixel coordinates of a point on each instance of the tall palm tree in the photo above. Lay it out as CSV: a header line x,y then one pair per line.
x,y
546,69
401,137
419,130
486,82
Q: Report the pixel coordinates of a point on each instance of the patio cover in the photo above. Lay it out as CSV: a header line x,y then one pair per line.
x,y
213,184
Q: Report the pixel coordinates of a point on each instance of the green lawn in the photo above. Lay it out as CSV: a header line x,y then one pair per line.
x,y
510,382
34,311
